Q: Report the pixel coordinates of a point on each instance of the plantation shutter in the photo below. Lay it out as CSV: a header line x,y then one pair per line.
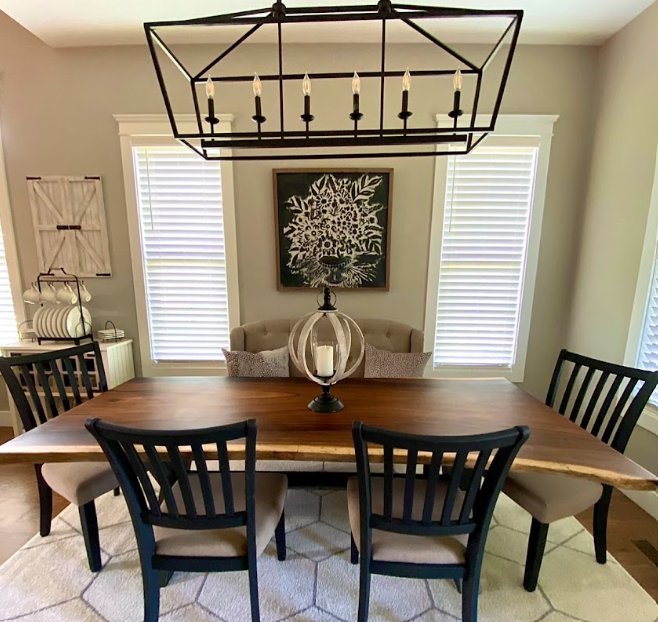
x,y
182,229
8,329
483,255
647,357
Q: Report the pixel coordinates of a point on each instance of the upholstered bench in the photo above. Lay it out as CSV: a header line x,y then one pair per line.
x,y
273,334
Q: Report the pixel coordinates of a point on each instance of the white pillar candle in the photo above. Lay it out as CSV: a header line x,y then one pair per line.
x,y
324,361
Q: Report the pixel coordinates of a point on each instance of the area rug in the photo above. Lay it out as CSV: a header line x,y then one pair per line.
x,y
48,580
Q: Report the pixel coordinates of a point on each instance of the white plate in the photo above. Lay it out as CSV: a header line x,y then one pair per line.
x,y
61,321
36,320
54,321
75,327
51,330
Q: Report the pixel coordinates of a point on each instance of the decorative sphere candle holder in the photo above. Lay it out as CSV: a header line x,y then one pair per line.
x,y
329,358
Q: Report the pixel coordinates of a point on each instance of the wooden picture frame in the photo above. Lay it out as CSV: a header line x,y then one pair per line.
x,y
364,237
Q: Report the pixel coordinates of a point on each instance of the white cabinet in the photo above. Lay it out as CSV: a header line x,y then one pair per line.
x,y
117,361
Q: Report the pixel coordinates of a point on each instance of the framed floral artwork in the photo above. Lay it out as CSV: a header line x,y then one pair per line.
x,y
333,227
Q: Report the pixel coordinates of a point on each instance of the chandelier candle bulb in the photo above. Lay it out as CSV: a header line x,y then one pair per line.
x,y
210,88
257,93
406,86
306,89
210,93
457,83
356,90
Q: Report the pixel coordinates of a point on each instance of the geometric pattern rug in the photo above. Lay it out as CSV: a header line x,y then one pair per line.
x,y
48,580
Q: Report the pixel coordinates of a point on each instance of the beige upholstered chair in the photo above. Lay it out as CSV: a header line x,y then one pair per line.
x,y
273,334
604,399
62,378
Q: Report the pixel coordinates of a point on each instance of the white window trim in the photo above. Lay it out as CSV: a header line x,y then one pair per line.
x,y
9,239
147,129
540,126
649,418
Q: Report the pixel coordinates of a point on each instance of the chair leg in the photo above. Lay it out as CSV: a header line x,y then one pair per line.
x,y
354,552
45,503
470,590
364,590
165,577
536,546
280,537
89,523
117,492
601,525
253,590
151,580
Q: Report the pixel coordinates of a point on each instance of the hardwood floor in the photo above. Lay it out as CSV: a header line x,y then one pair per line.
x,y
19,521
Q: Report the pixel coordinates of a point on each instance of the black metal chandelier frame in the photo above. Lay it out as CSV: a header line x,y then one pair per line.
x,y
308,143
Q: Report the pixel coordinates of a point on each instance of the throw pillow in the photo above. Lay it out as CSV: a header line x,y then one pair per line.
x,y
384,364
266,364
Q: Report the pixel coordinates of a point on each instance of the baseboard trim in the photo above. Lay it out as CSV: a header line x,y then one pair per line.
x,y
5,419
648,501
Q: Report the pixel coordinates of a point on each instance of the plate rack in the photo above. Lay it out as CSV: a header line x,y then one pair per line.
x,y
50,277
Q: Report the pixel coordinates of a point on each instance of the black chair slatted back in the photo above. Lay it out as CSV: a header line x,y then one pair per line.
x,y
166,455
603,398
55,381
470,495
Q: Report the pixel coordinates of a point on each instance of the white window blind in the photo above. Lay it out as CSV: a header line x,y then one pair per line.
x,y
647,356
488,204
8,329
182,231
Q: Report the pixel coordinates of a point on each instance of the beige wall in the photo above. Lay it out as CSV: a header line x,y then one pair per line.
x,y
619,193
56,110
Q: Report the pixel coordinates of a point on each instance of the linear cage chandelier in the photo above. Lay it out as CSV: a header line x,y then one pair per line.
x,y
376,130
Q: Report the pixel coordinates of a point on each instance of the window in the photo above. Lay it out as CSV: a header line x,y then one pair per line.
x,y
484,247
642,344
182,233
647,355
8,330
483,256
11,298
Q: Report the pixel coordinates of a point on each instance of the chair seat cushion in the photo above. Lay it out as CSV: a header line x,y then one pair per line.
x,y
549,497
395,547
79,482
271,489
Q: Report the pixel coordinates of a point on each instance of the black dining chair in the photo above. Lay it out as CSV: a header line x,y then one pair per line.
x,y
412,526
200,520
606,400
56,382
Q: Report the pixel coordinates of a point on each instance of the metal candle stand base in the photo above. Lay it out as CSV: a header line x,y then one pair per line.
x,y
326,402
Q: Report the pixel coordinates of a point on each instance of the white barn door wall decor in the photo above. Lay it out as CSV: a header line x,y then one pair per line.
x,y
68,214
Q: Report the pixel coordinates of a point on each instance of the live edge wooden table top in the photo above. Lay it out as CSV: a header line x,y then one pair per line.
x,y
287,430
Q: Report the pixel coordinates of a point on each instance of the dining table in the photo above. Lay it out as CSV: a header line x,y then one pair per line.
x,y
288,430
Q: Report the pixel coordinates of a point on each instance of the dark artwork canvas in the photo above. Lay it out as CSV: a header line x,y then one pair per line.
x,y
333,227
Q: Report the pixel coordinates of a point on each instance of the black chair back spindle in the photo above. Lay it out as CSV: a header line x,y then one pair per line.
x,y
51,380
603,398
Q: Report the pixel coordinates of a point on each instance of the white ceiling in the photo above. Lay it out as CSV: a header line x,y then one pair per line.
x,y
74,23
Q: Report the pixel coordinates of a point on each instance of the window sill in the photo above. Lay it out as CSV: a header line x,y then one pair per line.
x,y
649,419
200,368
511,374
